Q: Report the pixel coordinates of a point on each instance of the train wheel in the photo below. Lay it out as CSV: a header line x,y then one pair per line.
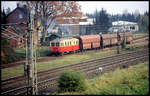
x,y
55,54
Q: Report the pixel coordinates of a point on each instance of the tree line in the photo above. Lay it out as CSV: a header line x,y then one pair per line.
x,y
104,20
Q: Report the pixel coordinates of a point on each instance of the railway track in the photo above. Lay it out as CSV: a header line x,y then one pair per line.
x,y
49,77
45,59
141,37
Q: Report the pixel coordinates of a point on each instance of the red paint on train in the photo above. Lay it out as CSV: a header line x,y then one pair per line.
x,y
62,49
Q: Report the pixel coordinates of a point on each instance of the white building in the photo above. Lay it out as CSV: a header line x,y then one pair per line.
x,y
123,26
86,21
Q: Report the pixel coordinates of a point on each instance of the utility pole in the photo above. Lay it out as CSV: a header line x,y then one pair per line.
x,y
31,58
118,38
124,33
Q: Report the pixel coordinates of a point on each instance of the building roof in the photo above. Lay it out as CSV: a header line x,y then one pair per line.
x,y
14,30
123,23
24,10
50,34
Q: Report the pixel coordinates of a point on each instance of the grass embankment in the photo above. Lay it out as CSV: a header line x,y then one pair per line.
x,y
135,35
70,59
40,52
131,81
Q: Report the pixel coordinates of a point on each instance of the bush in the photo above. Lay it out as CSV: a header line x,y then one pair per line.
x,y
71,81
11,55
124,66
5,42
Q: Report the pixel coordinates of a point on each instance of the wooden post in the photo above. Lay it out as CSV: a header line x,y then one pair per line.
x,y
118,37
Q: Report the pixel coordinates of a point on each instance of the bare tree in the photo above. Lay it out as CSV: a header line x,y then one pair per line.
x,y
47,11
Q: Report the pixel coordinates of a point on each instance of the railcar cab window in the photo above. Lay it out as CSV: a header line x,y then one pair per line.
x,y
70,43
57,44
52,44
76,42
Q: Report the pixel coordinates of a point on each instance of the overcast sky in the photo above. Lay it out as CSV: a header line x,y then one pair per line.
x,y
112,7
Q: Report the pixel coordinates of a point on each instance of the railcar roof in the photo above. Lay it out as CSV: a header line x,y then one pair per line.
x,y
109,35
88,36
63,39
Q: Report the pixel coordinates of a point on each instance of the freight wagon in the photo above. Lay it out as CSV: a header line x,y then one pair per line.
x,y
128,36
88,41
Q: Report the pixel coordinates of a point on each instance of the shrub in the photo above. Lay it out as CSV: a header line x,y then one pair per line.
x,y
124,66
71,81
11,55
5,42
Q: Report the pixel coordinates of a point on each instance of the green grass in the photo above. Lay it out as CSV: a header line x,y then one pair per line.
x,y
41,52
20,50
75,58
131,81
70,59
135,35
8,72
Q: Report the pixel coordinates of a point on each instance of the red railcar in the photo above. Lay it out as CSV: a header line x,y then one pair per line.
x,y
63,45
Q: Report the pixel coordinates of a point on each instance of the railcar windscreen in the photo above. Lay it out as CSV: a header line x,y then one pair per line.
x,y
52,44
57,44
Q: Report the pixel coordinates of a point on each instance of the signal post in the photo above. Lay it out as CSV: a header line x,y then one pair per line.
x,y
30,66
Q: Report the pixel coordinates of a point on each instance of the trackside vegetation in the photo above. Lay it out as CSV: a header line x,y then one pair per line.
x,y
133,80
71,81
75,58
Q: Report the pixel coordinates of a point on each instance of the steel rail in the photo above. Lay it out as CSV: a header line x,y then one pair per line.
x,y
55,78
